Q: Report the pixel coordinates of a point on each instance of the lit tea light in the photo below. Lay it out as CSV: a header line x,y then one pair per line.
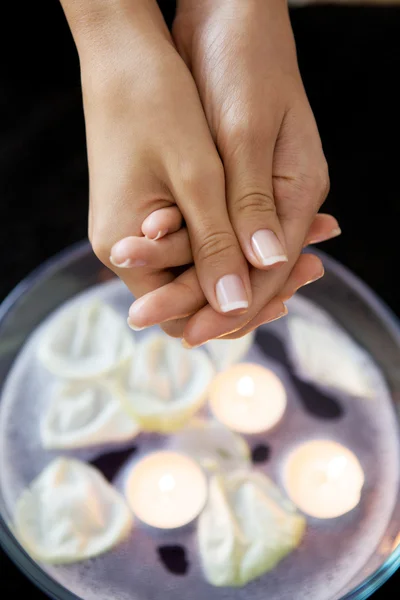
x,y
324,479
166,490
247,398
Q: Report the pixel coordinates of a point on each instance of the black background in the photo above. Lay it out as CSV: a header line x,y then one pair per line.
x,y
350,62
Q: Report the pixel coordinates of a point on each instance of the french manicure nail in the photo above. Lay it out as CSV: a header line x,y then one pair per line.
x,y
268,248
120,255
186,344
162,233
126,264
135,313
290,294
280,315
231,294
324,238
133,327
313,279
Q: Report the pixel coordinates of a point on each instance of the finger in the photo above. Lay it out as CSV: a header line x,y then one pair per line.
x,y
221,267
308,269
116,213
175,327
162,222
323,228
250,196
206,324
274,310
181,297
172,251
184,296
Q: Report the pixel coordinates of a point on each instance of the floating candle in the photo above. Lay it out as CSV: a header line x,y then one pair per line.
x,y
323,478
247,398
166,490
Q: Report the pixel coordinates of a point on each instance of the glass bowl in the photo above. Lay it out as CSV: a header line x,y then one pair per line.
x,y
340,293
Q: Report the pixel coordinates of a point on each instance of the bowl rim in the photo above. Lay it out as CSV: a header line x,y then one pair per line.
x,y
9,543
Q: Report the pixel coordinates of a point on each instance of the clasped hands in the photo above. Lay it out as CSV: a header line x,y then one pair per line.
x,y
205,162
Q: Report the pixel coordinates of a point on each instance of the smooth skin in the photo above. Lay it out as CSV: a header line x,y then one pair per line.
x,y
225,134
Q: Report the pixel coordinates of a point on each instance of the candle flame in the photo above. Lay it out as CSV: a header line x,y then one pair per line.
x,y
245,386
336,466
166,483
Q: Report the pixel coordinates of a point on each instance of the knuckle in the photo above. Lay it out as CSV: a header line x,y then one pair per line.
x,y
184,289
238,130
243,132
216,246
319,184
100,247
255,203
197,178
311,189
241,129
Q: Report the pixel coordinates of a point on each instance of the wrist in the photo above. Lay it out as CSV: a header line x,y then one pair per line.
x,y
99,26
207,6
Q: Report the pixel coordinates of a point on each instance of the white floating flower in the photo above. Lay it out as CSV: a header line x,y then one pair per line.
x,y
212,445
85,341
325,355
70,513
82,414
225,353
166,384
246,528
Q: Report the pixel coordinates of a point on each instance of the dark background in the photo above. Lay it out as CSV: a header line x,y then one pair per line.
x,y
350,62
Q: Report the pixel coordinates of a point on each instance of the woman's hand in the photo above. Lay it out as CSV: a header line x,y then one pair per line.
x,y
150,147
242,56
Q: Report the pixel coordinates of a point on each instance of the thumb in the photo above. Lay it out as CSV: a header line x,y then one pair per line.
x,y
221,267
248,160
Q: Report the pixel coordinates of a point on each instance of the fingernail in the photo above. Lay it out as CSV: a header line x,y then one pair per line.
x,y
312,280
321,274
160,234
126,264
134,314
120,255
268,248
133,327
279,316
290,295
324,238
231,294
186,345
